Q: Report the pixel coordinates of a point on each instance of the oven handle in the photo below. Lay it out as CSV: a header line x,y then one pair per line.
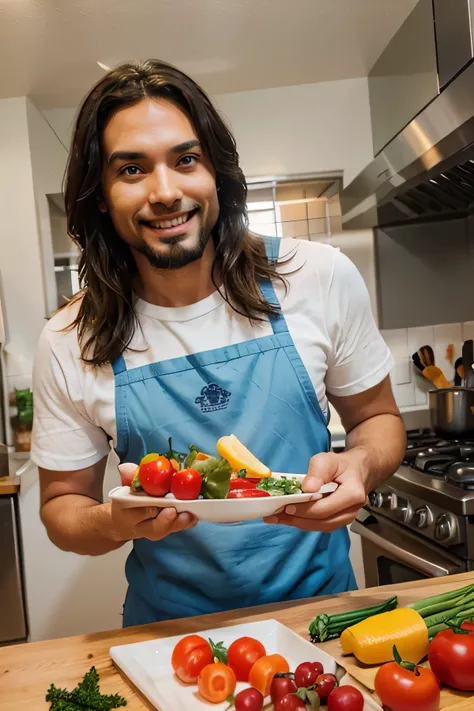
x,y
409,557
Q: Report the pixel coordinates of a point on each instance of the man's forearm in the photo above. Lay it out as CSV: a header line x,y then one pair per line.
x,y
378,444
80,525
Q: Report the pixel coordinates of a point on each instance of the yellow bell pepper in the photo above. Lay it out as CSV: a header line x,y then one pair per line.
x,y
371,641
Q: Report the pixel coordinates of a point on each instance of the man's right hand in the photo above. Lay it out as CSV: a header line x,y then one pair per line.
x,y
146,522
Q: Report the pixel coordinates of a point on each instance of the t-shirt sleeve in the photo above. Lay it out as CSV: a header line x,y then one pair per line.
x,y
360,358
63,439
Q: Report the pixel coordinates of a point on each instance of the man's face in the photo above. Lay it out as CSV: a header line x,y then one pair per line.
x,y
158,186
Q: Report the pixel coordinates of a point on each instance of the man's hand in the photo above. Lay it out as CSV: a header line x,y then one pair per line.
x,y
337,509
145,522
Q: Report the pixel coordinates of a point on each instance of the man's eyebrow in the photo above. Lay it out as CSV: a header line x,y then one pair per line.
x,y
186,146
126,155
137,155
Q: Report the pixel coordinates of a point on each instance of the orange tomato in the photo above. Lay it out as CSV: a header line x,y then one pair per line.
x,y
216,682
190,656
262,673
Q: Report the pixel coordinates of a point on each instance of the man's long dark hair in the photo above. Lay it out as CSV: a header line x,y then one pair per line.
x,y
106,318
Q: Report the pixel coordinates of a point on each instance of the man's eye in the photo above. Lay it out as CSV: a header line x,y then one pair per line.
x,y
131,170
188,160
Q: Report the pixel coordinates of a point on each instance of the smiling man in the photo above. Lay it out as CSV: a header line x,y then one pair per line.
x,y
188,326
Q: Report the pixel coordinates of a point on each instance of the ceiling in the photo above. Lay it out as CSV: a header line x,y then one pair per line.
x,y
49,49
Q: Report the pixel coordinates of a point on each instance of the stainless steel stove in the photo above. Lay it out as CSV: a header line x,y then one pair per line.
x,y
420,522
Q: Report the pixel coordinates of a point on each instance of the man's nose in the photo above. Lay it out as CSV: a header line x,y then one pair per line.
x,y
164,187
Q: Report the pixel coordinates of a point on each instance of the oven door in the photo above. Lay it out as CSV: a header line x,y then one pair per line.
x,y
392,555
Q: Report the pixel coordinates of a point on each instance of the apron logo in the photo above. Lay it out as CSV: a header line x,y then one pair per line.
x,y
213,398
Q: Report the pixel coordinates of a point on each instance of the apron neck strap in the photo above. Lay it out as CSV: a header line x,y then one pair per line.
x,y
277,322
118,365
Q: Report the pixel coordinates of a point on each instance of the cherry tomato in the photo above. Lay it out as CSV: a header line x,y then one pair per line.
x,y
247,494
290,702
155,475
281,686
307,673
186,484
190,656
242,655
325,684
466,625
451,658
403,690
263,671
345,698
216,682
241,484
249,700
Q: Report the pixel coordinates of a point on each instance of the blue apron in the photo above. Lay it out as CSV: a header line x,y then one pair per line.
x,y
260,391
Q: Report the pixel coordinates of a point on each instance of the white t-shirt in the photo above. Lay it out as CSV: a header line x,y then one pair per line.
x,y
327,309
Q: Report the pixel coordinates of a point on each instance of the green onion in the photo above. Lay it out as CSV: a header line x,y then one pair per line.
x,y
438,603
453,607
325,627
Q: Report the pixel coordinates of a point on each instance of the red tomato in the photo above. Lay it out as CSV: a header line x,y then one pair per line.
x,y
307,673
242,655
325,684
403,690
186,484
451,658
155,475
466,625
281,686
249,700
263,671
190,656
241,484
247,494
290,702
345,698
216,682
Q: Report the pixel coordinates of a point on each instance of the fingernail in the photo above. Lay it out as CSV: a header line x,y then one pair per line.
x,y
290,510
184,518
271,519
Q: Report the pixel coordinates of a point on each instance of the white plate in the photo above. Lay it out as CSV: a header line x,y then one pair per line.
x,y
148,664
221,510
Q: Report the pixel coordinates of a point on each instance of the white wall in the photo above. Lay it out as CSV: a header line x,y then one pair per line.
x,y
48,161
302,129
21,278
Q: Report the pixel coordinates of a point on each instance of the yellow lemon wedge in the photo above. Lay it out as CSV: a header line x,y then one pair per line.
x,y
149,458
239,457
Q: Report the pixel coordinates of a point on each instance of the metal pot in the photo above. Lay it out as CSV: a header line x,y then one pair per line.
x,y
452,412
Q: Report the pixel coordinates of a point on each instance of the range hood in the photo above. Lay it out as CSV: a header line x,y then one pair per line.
x,y
426,171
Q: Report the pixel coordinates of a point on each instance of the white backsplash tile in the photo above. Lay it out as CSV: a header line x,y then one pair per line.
x,y
467,330
402,371
445,335
404,394
409,386
397,341
417,337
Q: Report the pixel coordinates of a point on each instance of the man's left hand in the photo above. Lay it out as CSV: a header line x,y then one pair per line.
x,y
348,470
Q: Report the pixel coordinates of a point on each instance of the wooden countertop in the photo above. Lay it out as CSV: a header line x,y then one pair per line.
x,y
9,485
27,670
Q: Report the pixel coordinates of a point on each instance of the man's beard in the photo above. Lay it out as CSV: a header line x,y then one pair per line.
x,y
179,255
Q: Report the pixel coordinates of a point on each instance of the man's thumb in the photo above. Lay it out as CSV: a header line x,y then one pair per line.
x,y
323,469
